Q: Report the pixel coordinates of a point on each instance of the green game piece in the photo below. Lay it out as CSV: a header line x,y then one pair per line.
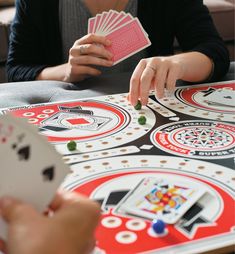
x,y
72,145
138,106
142,120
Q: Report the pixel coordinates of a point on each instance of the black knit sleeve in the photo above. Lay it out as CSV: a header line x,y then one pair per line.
x,y
195,31
24,55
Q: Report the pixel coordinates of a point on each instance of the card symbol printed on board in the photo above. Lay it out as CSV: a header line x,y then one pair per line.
x,y
208,91
48,173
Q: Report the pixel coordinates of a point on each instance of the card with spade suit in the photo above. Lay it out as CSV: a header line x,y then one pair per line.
x,y
31,169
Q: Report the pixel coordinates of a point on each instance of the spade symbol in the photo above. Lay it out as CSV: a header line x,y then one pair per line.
x,y
48,173
24,153
228,97
166,212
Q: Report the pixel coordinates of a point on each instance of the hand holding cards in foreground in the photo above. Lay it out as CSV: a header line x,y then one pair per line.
x,y
31,169
125,32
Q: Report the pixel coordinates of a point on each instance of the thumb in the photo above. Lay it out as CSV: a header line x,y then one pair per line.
x,y
13,210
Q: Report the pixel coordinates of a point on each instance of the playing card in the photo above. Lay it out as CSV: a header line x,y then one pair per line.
x,y
122,21
101,21
31,169
111,17
162,199
116,17
126,33
127,40
91,23
105,18
221,97
97,21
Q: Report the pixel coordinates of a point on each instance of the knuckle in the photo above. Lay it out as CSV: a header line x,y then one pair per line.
x,y
72,51
86,60
143,61
72,60
134,80
166,62
77,42
91,36
156,61
144,79
90,48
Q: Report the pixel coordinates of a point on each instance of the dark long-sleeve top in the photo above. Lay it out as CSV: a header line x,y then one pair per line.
x,y
35,41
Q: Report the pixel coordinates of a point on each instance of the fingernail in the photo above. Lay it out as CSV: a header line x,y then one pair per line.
x,y
4,202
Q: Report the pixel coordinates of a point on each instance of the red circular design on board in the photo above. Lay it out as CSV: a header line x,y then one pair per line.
x,y
106,236
213,146
208,139
187,97
92,104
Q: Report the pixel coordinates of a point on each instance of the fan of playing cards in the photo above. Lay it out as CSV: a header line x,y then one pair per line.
x,y
31,169
123,30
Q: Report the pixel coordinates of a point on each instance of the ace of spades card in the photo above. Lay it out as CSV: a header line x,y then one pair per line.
x,y
31,169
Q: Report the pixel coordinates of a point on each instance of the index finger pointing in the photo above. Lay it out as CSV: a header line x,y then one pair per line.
x,y
135,82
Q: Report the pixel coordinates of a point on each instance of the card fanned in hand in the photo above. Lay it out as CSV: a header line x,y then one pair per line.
x,y
31,169
124,31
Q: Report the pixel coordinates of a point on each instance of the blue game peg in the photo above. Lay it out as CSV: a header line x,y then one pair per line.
x,y
158,226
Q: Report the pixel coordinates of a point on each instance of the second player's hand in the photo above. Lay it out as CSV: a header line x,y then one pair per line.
x,y
157,73
69,231
87,52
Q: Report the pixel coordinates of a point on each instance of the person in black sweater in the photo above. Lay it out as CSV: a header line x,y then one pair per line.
x,y
35,51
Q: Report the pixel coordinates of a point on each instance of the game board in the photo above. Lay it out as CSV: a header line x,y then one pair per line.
x,y
207,225
188,138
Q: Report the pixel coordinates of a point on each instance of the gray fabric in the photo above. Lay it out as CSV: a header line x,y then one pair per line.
x,y
34,92
74,17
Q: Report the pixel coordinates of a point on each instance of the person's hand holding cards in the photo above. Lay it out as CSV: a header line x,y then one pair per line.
x,y
112,37
31,169
70,229
87,52
125,32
